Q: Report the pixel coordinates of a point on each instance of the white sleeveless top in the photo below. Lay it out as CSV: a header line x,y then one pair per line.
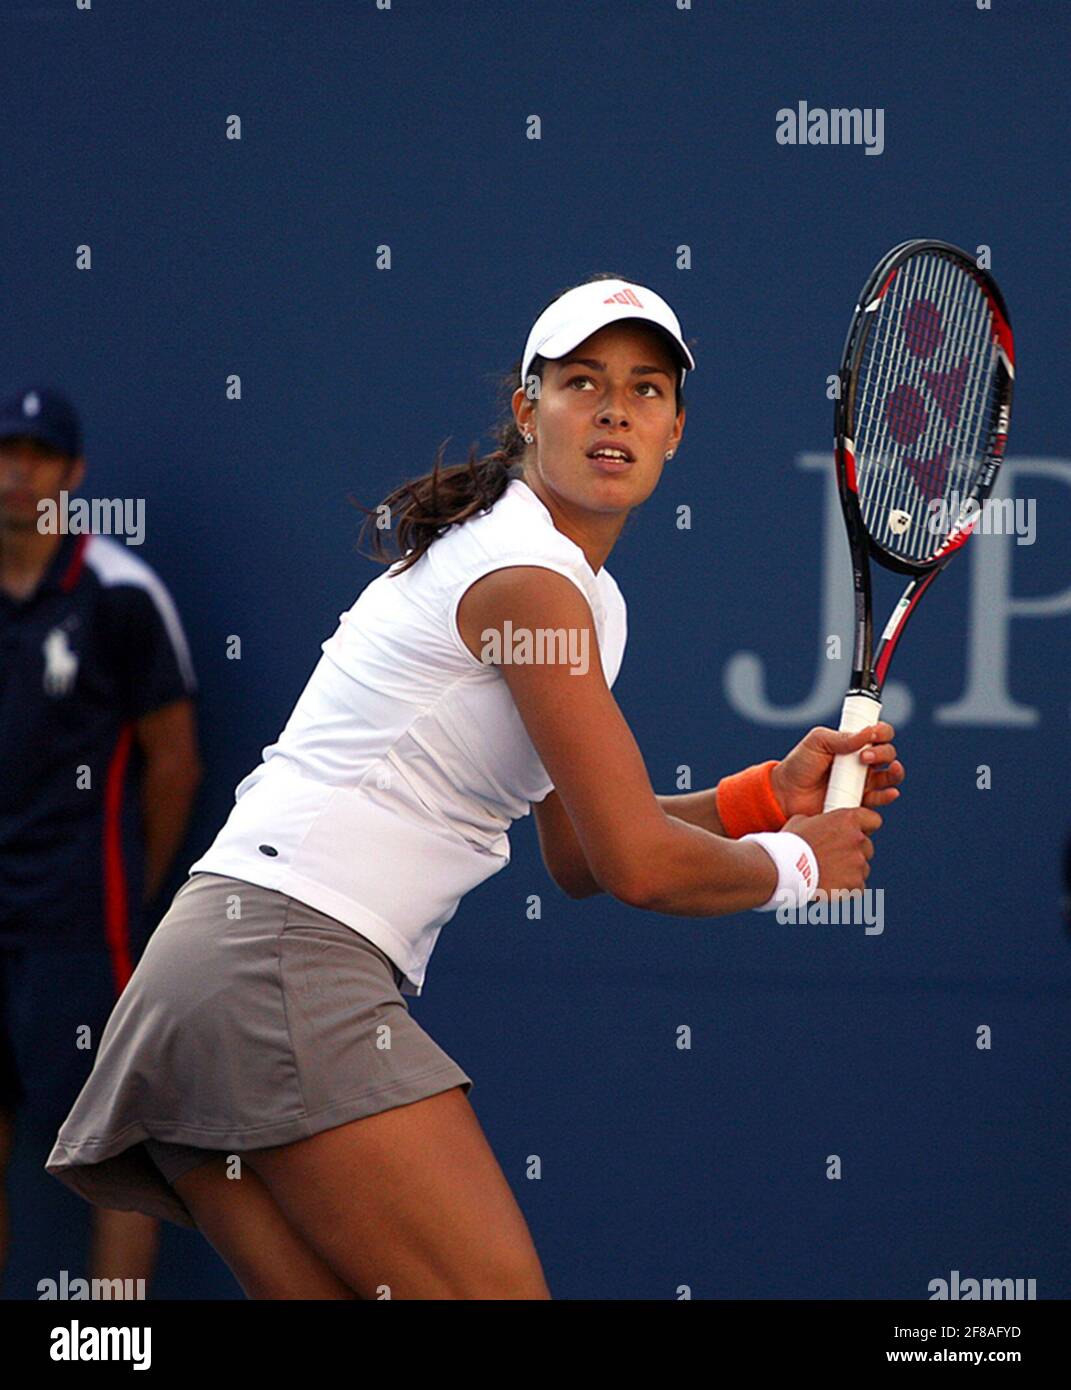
x,y
389,793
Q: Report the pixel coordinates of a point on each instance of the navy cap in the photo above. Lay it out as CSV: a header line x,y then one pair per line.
x,y
43,414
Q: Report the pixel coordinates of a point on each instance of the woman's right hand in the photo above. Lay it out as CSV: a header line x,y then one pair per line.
x,y
841,844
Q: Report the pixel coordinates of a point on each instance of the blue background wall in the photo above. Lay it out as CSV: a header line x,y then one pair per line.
x,y
662,1167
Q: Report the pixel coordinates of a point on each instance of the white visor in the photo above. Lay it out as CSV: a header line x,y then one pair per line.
x,y
582,311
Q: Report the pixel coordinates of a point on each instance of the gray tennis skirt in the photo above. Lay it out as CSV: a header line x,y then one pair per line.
x,y
250,1020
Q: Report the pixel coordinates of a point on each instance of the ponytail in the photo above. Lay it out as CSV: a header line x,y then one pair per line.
x,y
418,512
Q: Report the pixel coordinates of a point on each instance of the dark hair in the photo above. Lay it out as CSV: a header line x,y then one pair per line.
x,y
428,506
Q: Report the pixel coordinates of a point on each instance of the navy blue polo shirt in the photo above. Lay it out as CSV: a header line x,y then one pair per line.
x,y
96,646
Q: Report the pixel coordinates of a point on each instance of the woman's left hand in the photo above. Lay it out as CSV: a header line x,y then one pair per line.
x,y
799,780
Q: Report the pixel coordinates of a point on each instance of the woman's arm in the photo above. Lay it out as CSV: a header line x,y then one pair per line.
x,y
561,849
799,783
562,855
695,808
633,849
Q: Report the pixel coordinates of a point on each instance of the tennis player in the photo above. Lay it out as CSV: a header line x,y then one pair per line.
x,y
262,1077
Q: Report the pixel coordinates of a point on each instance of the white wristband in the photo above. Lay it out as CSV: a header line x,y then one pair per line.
x,y
797,868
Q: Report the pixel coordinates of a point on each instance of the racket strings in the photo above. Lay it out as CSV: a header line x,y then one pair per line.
x,y
896,386
905,410
940,469
917,411
926,397
918,397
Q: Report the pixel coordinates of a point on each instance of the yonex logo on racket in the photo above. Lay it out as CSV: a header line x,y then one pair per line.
x,y
932,361
930,374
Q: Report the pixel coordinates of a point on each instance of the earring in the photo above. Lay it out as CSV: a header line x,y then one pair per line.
x,y
669,454
528,437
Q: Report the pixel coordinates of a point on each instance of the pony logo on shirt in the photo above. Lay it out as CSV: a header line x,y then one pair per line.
x,y
61,663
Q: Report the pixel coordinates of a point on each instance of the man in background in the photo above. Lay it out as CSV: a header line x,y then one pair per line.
x,y
98,771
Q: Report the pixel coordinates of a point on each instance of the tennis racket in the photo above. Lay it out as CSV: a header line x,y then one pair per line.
x,y
921,425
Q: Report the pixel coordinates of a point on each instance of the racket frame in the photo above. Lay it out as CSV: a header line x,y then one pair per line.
x,y
870,667
862,704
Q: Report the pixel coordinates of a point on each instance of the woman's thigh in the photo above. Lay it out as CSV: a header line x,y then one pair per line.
x,y
242,1222
407,1203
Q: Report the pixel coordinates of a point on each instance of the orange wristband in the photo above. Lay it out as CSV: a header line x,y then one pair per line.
x,y
746,802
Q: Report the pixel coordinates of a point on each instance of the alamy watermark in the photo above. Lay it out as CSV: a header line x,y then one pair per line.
x,y
541,646
78,1343
814,125
996,516
96,516
67,1288
854,907
956,1288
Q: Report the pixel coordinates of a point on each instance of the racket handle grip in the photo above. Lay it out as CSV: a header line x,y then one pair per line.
x,y
847,777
